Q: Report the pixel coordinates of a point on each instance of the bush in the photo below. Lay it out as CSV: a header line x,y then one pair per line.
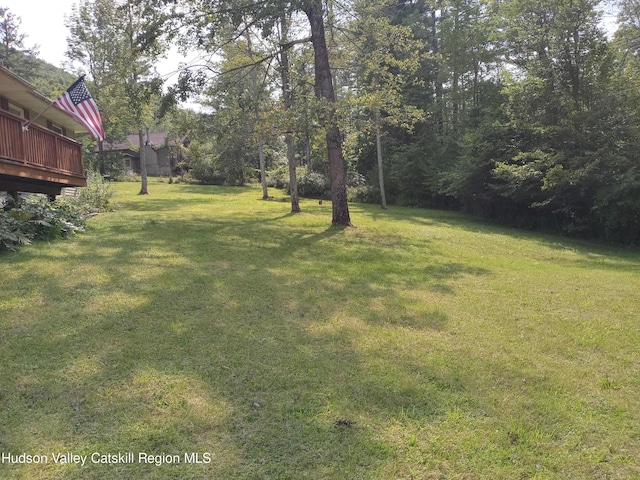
x,y
279,178
208,174
314,185
34,218
186,178
317,185
363,194
96,196
128,177
310,184
11,234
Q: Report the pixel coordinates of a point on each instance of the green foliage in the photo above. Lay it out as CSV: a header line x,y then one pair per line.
x,y
34,217
22,60
213,168
128,177
14,54
317,185
617,207
279,177
364,194
110,164
521,112
314,185
12,235
95,197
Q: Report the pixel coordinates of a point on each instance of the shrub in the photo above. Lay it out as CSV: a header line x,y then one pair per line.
x,y
186,178
33,218
279,178
363,194
310,184
96,196
11,235
129,176
355,179
314,185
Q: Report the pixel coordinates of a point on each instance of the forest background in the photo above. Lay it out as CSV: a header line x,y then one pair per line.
x,y
526,113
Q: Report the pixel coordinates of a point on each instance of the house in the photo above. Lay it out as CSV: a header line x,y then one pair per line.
x,y
162,155
43,158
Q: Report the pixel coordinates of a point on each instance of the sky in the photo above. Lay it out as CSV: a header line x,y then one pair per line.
x,y
43,21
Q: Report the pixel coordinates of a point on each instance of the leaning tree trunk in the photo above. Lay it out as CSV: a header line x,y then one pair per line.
x,y
287,95
143,163
324,90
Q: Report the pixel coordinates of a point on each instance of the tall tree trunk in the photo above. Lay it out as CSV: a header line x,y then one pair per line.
x,y
293,179
171,170
324,90
437,75
287,95
143,163
455,94
383,197
307,152
263,172
256,127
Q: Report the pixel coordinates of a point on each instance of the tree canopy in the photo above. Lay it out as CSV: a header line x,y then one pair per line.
x,y
524,113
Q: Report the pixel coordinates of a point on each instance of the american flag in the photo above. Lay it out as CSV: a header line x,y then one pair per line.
x,y
77,102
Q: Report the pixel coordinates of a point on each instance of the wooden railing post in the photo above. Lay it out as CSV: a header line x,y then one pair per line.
x,y
38,147
23,142
58,158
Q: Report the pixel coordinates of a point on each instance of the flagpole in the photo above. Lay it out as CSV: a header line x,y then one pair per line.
x,y
26,125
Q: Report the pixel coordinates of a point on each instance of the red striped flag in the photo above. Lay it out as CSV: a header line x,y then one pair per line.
x,y
77,102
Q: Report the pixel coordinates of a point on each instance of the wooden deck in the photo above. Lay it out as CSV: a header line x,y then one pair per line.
x,y
37,160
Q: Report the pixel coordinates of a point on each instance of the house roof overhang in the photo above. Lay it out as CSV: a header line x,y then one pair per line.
x,y
22,92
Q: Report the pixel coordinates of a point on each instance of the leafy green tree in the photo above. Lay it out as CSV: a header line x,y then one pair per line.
x,y
386,57
119,42
209,18
562,54
288,101
240,97
94,44
14,54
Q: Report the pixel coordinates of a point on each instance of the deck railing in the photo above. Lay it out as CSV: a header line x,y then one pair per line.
x,y
38,147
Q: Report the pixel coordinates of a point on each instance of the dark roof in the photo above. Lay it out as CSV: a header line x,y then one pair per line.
x,y
156,140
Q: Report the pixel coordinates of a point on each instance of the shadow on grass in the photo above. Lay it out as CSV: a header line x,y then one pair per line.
x,y
237,337
587,254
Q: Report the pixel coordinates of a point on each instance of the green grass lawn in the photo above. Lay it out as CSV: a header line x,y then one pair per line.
x,y
417,345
